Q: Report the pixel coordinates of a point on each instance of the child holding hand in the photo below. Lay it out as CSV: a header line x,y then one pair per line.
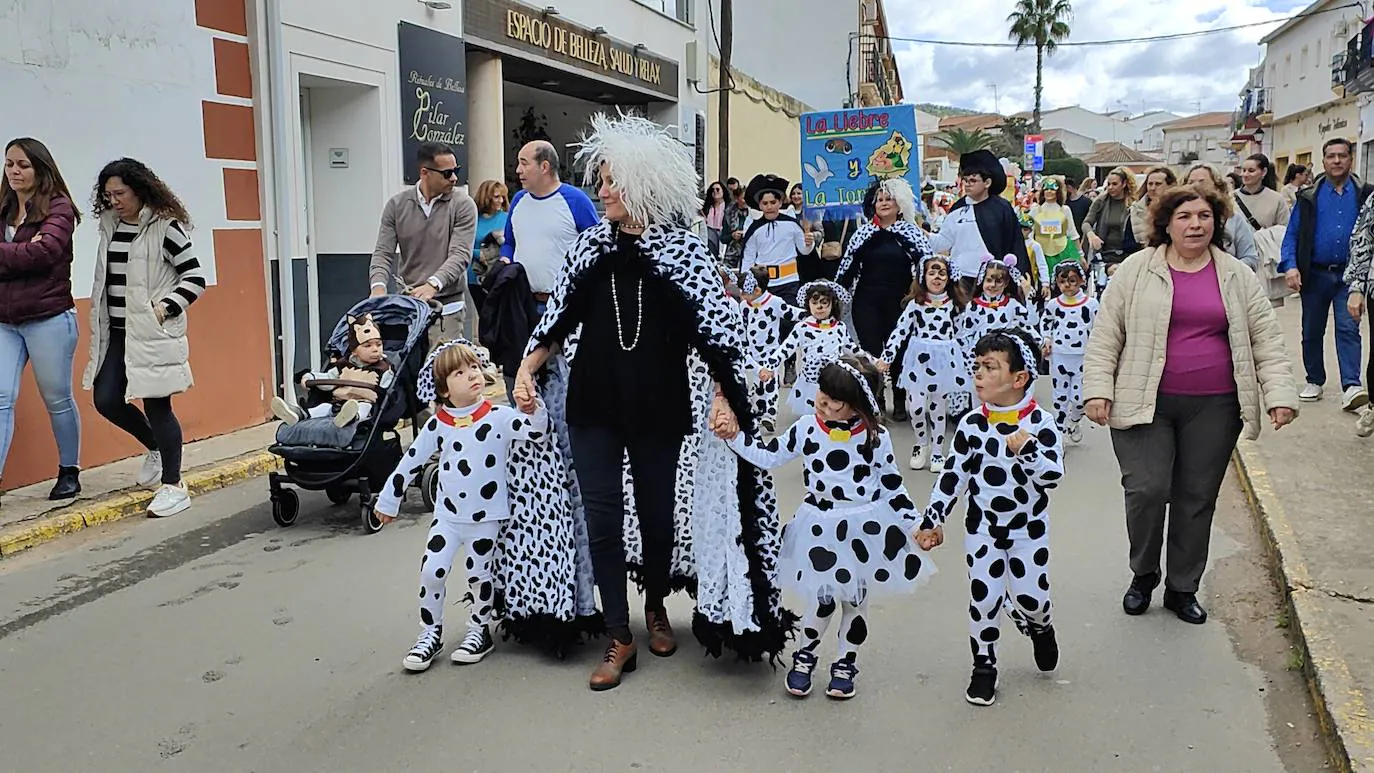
x,y
1007,456
851,539
821,338
473,438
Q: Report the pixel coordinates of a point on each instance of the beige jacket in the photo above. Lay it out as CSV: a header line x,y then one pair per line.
x,y
157,356
1124,361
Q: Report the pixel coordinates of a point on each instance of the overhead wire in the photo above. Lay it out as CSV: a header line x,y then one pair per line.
x,y
1112,42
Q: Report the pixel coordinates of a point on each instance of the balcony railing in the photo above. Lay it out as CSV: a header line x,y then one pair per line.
x,y
1352,70
1256,100
872,71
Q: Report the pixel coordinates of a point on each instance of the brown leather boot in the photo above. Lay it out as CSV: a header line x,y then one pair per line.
x,y
619,658
662,641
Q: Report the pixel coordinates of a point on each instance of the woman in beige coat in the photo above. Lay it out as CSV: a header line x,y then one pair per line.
x,y
146,275
1185,352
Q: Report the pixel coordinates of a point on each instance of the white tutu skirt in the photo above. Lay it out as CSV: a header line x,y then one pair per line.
x,y
850,555
802,398
935,367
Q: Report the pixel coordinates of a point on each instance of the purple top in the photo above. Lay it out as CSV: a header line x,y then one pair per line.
x,y
1198,358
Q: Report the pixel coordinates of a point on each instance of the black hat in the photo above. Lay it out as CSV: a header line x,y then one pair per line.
x,y
765,183
984,163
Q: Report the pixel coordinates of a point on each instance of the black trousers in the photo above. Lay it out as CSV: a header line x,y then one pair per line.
x,y
877,307
1176,464
597,459
158,431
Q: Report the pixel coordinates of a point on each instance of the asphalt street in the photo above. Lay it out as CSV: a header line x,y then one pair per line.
x,y
216,641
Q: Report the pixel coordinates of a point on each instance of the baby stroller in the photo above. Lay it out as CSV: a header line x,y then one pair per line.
x,y
318,456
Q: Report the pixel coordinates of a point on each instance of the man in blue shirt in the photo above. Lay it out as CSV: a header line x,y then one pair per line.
x,y
1316,250
545,219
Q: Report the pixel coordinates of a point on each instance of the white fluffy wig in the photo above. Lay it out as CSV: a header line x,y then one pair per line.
x,y
900,191
651,169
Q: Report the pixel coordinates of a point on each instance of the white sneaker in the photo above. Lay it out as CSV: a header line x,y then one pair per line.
x,y
1076,432
919,458
1364,427
937,463
169,501
152,469
286,411
347,413
1310,393
1354,399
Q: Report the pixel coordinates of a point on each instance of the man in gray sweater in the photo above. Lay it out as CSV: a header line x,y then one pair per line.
x,y
433,224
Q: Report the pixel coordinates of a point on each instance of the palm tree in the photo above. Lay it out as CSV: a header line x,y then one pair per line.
x,y
1043,24
961,141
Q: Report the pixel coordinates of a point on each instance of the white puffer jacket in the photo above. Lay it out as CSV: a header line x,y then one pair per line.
x,y
157,356
1124,361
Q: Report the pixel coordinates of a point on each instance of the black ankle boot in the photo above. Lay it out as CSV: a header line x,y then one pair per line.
x,y
68,483
1137,598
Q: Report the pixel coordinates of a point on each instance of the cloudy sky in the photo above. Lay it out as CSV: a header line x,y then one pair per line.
x,y
1184,76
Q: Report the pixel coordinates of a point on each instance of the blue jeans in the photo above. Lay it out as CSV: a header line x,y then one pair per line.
x,y
50,343
1321,291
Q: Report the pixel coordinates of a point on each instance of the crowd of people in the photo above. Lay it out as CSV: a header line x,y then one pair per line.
x,y
645,350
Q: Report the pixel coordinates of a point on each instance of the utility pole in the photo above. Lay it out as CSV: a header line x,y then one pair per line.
x,y
727,39
996,103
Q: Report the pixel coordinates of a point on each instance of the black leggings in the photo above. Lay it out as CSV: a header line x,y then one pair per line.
x,y
158,431
597,459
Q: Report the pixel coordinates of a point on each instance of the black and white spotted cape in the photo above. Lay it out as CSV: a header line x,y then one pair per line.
x,y
914,243
726,504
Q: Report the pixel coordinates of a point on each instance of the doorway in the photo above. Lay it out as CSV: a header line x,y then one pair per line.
x,y
341,175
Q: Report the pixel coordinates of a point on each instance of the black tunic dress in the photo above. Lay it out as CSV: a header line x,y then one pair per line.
x,y
884,282
644,391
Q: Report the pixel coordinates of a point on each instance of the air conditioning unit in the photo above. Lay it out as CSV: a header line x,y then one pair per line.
x,y
694,62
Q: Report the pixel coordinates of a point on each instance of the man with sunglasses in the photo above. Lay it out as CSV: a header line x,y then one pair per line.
x,y
433,224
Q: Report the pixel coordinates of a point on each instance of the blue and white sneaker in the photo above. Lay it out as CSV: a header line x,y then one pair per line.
x,y
799,678
842,673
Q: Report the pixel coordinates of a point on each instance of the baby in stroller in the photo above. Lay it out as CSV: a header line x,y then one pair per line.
x,y
366,363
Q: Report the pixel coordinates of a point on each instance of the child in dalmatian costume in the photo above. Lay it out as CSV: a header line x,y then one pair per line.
x,y
821,337
473,439
1068,319
932,367
1001,303
1006,457
764,315
851,539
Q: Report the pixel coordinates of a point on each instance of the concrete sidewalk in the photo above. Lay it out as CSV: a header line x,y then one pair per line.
x,y
28,519
1310,487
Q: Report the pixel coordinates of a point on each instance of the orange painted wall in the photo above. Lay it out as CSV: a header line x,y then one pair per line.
x,y
231,351
230,326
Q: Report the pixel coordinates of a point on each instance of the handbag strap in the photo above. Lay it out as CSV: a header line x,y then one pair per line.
x,y
1241,202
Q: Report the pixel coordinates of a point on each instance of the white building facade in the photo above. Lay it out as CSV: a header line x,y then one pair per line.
x,y
1305,112
1086,123
1205,137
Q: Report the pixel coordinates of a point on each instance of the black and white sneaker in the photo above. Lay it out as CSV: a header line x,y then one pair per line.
x,y
475,646
982,686
427,648
1046,649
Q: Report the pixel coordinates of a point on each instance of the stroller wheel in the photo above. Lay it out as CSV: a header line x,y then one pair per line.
x,y
338,496
371,525
286,505
429,485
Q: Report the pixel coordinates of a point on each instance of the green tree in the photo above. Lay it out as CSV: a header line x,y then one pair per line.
x,y
1043,24
1055,149
1011,139
1071,168
961,141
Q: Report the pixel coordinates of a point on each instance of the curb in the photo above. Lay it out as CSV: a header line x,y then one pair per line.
x,y
127,503
1346,720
